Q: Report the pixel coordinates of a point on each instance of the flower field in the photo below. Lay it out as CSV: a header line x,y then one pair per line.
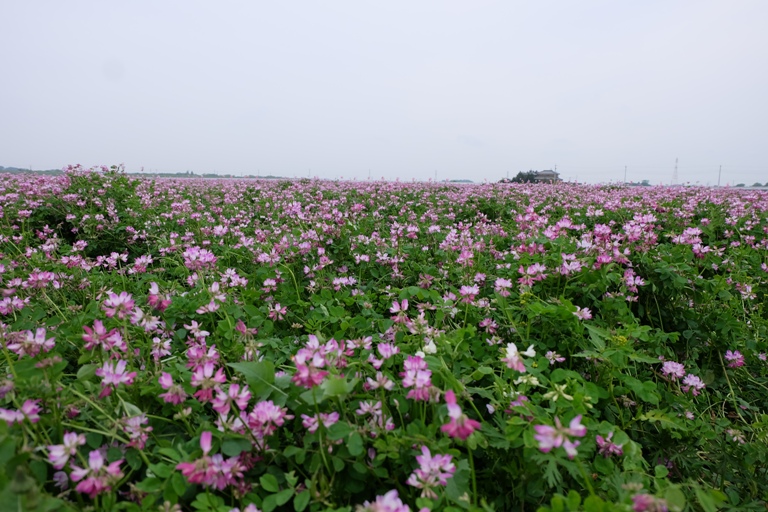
x,y
221,345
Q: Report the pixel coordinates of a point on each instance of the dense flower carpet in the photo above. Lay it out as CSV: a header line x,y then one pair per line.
x,y
220,345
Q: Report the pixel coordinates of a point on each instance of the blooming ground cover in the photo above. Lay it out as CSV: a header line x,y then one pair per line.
x,y
266,345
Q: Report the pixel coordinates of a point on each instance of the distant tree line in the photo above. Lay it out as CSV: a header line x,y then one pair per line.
x,y
19,170
522,177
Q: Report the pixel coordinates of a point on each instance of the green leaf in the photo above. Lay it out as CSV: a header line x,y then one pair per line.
x,y
131,410
662,419
557,503
234,447
457,488
171,453
179,483
151,484
87,371
597,336
161,470
93,439
645,390
301,501
7,450
574,500
269,483
314,396
675,498
269,504
283,496
593,504
337,386
260,376
339,430
355,444
706,500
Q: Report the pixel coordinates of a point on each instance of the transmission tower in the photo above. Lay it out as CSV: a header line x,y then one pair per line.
x,y
674,174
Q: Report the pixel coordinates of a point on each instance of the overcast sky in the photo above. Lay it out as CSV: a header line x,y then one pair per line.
x,y
462,89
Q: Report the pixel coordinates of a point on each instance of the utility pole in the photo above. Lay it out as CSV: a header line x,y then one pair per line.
x,y
435,175
625,174
718,175
674,174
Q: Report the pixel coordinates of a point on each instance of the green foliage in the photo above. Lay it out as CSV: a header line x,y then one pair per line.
x,y
656,277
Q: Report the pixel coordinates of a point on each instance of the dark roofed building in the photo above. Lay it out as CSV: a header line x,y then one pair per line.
x,y
547,176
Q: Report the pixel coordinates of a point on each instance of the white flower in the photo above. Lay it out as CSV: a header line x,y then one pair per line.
x,y
430,348
527,379
559,392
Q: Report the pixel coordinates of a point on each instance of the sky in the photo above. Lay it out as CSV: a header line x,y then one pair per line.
x,y
405,90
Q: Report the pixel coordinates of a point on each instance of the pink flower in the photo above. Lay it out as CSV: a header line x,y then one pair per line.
x,y
137,432
98,337
311,423
513,358
693,383
387,350
390,502
97,477
554,357
381,381
59,454
554,437
212,471
736,359
197,471
265,418
112,375
309,361
501,286
175,393
155,300
648,503
204,378
608,448
32,343
673,370
417,376
277,312
196,258
468,293
29,410
118,305
399,309
460,425
582,313
233,395
432,472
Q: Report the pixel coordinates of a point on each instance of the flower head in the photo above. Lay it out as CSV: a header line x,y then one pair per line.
x,y
432,472
97,477
554,437
460,425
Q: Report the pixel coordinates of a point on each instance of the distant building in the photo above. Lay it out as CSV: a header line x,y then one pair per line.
x,y
548,176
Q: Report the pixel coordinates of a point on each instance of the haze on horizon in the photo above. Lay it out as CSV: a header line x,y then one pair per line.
x,y
454,89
